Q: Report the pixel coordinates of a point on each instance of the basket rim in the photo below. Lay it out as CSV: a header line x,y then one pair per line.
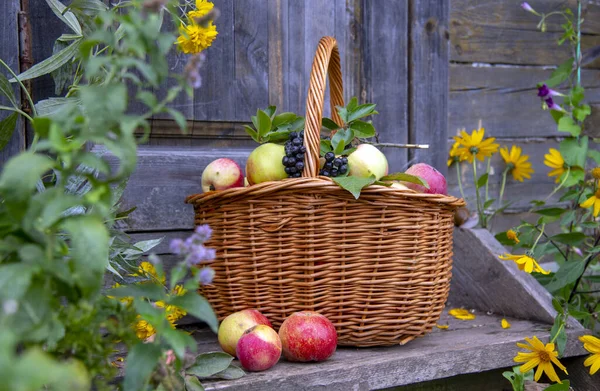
x,y
320,182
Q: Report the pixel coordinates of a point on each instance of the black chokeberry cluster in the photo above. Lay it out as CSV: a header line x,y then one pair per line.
x,y
334,166
293,161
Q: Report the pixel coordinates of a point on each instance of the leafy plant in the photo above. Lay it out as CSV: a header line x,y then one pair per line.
x,y
269,127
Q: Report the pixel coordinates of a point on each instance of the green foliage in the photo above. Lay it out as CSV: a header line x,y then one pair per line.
x,y
269,127
352,129
517,379
354,184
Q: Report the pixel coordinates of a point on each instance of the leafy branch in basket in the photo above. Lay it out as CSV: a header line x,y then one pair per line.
x,y
272,127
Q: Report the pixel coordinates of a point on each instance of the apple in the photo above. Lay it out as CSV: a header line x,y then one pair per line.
x,y
234,325
435,179
259,348
367,160
264,164
222,174
307,336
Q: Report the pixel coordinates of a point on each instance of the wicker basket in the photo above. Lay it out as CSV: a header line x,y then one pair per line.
x,y
378,267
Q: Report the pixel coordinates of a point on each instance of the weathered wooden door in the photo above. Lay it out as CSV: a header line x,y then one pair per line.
x,y
394,53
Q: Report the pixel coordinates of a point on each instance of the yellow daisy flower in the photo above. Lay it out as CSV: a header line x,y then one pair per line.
x,y
474,146
504,323
524,262
148,270
596,172
554,160
124,300
173,313
592,345
512,235
593,201
179,290
461,313
454,155
540,355
193,37
143,329
203,7
517,164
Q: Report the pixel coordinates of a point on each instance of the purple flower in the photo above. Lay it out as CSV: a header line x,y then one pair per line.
x,y
176,246
545,92
206,275
200,254
527,7
552,105
203,232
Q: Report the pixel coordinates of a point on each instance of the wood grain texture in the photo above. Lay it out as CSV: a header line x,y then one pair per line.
x,y
9,53
386,74
505,99
492,31
428,69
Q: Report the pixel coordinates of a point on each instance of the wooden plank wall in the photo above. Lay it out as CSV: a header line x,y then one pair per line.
x,y
497,56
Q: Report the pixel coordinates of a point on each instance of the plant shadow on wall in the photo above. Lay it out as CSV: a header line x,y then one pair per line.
x,y
59,208
575,249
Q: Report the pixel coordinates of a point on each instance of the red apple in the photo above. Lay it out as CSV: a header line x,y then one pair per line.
x,y
367,160
234,325
259,348
222,174
265,164
307,336
435,180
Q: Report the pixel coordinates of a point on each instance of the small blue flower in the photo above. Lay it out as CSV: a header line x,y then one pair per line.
x,y
176,246
202,233
206,275
527,7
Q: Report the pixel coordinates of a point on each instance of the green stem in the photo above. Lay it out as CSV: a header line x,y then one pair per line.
x,y
460,187
538,238
22,87
559,186
24,114
489,163
562,326
504,175
481,216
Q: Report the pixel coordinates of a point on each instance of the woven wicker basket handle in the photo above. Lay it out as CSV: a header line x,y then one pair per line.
x,y
326,61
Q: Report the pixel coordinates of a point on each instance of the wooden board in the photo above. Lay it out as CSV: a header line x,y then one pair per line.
x,y
428,90
505,99
9,53
492,31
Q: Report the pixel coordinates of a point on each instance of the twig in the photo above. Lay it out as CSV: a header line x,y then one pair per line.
x,y
596,291
392,145
589,260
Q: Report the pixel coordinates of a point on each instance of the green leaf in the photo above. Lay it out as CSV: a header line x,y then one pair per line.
x,y
7,128
567,124
51,63
577,94
581,113
88,7
550,211
197,306
179,341
141,361
193,384
89,243
361,111
264,123
482,181
208,364
147,290
251,132
572,238
352,105
574,152
362,129
557,115
62,76
270,111
283,118
21,173
568,273
329,124
340,139
557,333
49,107
67,17
15,279
354,184
401,176
7,90
488,203
231,373
178,118
325,146
564,386
560,74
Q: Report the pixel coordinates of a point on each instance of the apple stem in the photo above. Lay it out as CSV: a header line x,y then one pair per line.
x,y
212,188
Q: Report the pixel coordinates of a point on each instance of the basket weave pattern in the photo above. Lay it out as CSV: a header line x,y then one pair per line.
x,y
378,267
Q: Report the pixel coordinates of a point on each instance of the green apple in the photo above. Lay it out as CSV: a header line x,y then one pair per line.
x,y
265,164
367,160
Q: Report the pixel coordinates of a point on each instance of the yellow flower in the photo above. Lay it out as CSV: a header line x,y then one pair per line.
x,y
173,313
474,145
593,201
541,356
524,262
512,235
143,329
148,270
592,345
596,172
179,290
554,160
442,326
454,155
462,314
505,324
124,300
194,37
518,165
